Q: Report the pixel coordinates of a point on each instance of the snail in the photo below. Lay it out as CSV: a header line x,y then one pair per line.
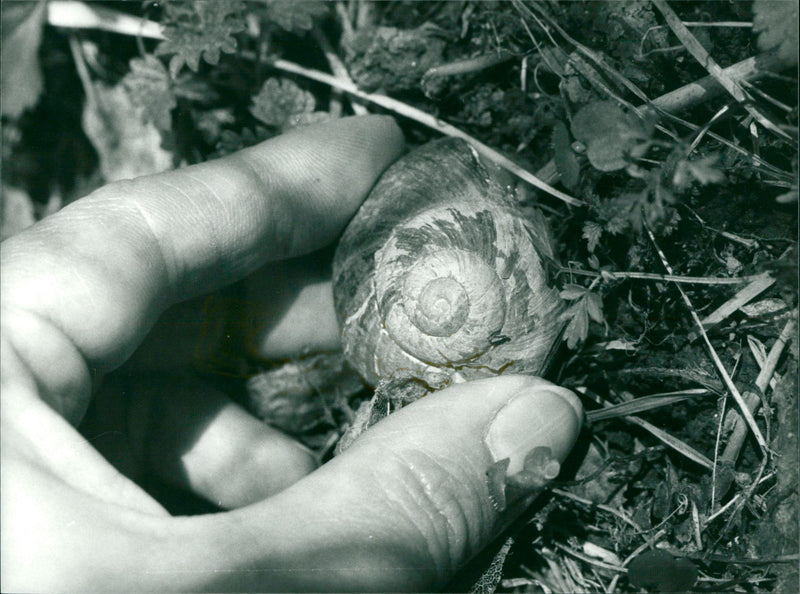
x,y
440,277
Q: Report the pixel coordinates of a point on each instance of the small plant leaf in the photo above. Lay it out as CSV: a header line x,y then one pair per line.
x,y
775,21
594,307
611,134
703,170
282,104
196,30
572,292
295,16
149,87
592,233
578,326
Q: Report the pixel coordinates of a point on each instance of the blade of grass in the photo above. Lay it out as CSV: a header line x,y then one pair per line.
x,y
689,280
700,54
643,404
747,294
739,431
91,19
726,378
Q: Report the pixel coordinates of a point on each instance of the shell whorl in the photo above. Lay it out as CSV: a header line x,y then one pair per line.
x,y
438,273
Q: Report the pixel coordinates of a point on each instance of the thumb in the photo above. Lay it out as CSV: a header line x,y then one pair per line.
x,y
409,503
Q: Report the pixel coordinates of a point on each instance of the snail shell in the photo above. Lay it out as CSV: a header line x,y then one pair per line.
x,y
438,274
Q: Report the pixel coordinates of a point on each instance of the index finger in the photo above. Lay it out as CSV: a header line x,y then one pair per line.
x,y
99,272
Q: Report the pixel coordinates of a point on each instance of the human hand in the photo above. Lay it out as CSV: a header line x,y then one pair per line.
x,y
402,509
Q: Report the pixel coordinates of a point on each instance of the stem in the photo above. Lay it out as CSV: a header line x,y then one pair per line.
x,y
704,59
739,432
726,378
689,280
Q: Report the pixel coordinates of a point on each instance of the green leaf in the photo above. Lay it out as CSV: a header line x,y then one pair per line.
x,y
200,29
594,307
20,71
282,104
592,233
775,21
578,327
148,86
611,134
703,170
294,15
572,292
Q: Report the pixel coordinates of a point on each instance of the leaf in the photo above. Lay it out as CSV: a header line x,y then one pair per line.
x,y
282,104
594,307
659,571
775,21
703,170
292,15
210,123
578,327
572,292
592,233
200,29
148,85
20,71
230,141
611,134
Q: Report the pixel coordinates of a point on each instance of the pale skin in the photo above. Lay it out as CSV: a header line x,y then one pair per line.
x,y
403,509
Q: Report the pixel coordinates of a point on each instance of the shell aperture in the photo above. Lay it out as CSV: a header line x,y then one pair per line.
x,y
438,273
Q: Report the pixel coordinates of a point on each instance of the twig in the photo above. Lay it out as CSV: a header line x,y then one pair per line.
x,y
739,432
347,25
337,66
468,65
743,297
590,560
763,62
751,422
430,121
759,353
704,58
749,243
653,276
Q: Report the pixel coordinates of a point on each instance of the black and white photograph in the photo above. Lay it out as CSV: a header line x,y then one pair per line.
x,y
480,296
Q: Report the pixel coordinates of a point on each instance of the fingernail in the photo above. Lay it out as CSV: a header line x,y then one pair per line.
x,y
542,417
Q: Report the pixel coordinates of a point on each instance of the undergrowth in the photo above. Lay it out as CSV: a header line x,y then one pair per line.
x,y
679,262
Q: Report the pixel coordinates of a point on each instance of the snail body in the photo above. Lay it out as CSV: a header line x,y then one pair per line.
x,y
439,276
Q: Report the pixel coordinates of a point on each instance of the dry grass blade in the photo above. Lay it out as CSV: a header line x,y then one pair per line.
x,y
652,276
743,297
337,66
90,18
726,378
704,58
430,121
739,432
643,404
673,442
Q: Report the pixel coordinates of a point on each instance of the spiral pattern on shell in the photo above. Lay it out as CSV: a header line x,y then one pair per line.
x,y
438,273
